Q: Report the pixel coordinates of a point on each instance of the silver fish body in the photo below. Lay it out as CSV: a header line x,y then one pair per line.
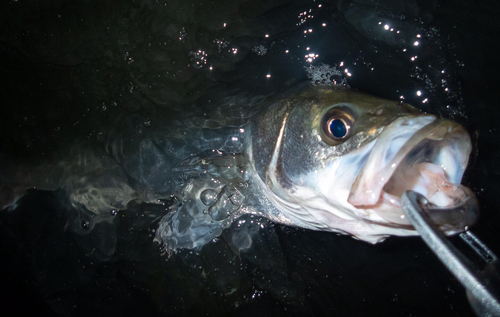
x,y
331,160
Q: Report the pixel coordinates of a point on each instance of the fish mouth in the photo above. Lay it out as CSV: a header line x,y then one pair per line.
x,y
423,154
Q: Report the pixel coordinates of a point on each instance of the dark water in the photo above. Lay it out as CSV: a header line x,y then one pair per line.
x,y
75,73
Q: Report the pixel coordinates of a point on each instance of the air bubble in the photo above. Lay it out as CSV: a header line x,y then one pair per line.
x,y
208,197
327,75
198,58
85,224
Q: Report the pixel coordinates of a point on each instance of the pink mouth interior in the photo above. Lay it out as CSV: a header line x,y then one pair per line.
x,y
427,179
416,166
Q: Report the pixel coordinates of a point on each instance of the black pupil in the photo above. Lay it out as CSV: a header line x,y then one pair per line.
x,y
338,128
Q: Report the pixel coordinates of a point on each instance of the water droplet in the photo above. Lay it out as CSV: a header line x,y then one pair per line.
x,y
236,199
85,224
208,197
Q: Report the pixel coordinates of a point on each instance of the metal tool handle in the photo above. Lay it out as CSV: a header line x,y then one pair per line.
x,y
482,289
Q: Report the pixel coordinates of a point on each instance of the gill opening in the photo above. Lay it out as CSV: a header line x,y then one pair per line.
x,y
271,178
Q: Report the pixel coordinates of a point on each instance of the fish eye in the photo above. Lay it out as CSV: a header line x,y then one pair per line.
x,y
336,125
338,128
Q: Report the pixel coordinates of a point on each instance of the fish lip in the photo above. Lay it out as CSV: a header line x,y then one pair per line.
x,y
368,191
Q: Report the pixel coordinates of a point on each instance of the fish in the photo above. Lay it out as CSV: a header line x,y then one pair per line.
x,y
316,157
328,159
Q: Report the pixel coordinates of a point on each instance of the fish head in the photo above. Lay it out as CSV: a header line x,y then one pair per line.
x,y
338,160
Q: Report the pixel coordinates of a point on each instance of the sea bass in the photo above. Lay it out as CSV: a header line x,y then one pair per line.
x,y
331,160
320,158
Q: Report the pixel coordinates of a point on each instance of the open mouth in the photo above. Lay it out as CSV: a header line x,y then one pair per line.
x,y
423,154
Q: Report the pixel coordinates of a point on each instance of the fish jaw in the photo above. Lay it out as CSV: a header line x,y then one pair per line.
x,y
423,154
